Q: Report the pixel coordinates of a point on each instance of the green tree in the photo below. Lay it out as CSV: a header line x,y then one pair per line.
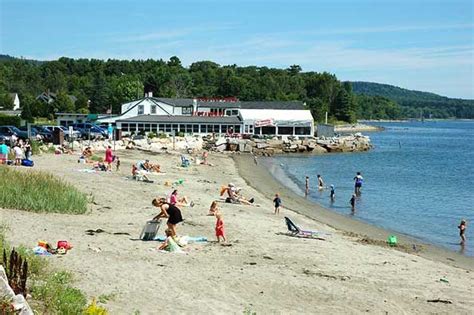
x,y
6,102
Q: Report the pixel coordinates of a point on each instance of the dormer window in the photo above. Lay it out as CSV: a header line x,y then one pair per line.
x,y
153,109
141,109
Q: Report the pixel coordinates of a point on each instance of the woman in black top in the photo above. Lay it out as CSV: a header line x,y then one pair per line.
x,y
168,211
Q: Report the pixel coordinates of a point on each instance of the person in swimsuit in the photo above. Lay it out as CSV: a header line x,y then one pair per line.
x,y
170,244
333,193
358,183
353,202
109,157
213,209
168,211
306,192
220,228
320,182
462,230
277,203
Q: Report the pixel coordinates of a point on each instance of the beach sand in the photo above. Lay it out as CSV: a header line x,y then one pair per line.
x,y
262,271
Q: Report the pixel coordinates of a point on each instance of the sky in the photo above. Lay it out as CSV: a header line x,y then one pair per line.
x,y
425,45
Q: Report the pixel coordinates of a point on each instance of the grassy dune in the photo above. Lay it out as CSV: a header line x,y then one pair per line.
x,y
39,192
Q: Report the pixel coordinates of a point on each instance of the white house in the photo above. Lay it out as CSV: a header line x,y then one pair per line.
x,y
213,115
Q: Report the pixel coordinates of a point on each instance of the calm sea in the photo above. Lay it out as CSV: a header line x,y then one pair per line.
x,y
418,180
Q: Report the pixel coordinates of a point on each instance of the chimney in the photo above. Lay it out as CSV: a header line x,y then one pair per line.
x,y
150,94
195,104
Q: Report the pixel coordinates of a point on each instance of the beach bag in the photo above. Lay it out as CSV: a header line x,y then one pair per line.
x,y
150,230
28,163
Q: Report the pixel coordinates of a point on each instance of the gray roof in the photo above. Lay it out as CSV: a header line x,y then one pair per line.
x,y
272,105
182,119
186,102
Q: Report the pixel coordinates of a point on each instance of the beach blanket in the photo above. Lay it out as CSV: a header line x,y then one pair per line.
x,y
183,240
87,170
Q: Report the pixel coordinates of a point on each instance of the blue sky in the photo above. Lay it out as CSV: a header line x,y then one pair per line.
x,y
419,44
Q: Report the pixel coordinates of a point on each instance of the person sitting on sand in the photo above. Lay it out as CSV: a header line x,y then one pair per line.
x,y
170,244
234,197
139,175
462,230
87,154
220,228
168,211
143,165
214,208
180,202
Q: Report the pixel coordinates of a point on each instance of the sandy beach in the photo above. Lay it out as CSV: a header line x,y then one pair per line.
x,y
262,271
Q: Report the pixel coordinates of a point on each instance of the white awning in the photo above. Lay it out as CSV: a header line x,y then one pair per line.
x,y
279,116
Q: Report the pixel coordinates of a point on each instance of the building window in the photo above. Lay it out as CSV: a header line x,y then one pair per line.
x,y
141,109
153,109
147,127
237,128
186,110
195,128
174,127
285,130
302,130
141,127
125,127
167,128
268,130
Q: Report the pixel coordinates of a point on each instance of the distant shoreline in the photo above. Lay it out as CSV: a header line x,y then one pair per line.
x,y
263,181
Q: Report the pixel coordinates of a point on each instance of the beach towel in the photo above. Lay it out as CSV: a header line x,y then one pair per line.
x,y
184,239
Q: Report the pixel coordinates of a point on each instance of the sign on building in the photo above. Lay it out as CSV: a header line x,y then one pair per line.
x,y
264,123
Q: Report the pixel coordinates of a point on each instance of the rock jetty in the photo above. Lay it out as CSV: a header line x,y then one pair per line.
x,y
267,147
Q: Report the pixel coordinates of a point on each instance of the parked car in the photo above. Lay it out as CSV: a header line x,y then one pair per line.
x,y
13,131
76,134
45,132
34,132
89,130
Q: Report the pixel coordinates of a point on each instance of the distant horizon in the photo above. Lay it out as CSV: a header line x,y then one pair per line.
x,y
419,45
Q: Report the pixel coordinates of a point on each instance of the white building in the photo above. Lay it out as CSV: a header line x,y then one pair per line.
x,y
213,115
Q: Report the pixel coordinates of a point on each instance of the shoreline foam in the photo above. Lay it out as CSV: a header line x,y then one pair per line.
x,y
258,177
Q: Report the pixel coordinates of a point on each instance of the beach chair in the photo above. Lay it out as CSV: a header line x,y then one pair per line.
x,y
294,230
184,161
150,230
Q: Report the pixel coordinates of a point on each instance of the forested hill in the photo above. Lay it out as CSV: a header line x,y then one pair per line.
x,y
439,106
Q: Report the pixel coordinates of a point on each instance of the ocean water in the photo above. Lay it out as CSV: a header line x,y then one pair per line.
x,y
418,180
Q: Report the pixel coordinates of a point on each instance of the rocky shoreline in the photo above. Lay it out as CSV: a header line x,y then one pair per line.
x,y
265,147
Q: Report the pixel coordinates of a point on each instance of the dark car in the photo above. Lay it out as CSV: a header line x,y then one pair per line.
x,y
12,130
34,132
45,132
89,130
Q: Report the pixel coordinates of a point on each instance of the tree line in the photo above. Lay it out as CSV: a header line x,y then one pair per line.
x,y
102,85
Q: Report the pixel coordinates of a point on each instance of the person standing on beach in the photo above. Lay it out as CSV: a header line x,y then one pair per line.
x,y
306,192
109,157
353,202
168,211
358,183
277,203
462,230
220,228
320,182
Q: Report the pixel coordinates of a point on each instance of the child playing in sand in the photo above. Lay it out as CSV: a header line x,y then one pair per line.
x,y
462,230
219,228
353,202
169,244
213,209
277,203
117,163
